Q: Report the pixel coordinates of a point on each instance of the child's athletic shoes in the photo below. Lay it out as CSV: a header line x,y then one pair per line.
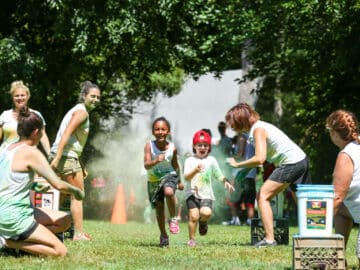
x,y
164,241
191,243
174,226
203,227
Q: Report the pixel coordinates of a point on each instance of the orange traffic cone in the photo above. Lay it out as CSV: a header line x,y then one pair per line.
x,y
119,210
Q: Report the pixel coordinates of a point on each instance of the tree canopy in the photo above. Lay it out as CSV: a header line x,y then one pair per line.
x,y
305,52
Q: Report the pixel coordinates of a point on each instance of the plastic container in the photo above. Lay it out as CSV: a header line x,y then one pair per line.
x,y
315,209
49,199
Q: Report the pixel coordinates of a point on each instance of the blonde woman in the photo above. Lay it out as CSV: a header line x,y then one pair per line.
x,y
9,119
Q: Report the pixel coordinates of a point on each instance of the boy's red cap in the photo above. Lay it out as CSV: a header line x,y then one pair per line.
x,y
201,137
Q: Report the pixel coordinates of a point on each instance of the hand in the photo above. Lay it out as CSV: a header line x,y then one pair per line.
x,y
229,187
79,194
40,187
200,167
54,163
161,157
180,186
232,162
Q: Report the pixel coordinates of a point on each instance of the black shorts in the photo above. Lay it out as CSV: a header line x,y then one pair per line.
x,y
294,174
193,202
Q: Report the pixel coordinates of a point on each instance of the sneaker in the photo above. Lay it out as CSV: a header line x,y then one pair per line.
x,y
174,226
164,241
226,222
82,237
236,222
191,243
203,228
265,243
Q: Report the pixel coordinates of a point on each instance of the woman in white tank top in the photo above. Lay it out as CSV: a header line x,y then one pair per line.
x,y
344,132
274,146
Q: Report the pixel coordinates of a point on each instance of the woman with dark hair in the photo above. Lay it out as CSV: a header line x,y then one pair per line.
x,y
18,164
274,146
343,128
68,146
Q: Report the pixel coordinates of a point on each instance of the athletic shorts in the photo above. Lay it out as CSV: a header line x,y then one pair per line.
x,y
294,174
25,235
154,188
193,202
67,165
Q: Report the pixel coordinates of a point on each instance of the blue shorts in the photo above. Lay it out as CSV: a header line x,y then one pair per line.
x,y
294,174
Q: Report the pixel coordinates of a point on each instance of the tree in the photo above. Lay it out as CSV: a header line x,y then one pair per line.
x,y
305,52
309,52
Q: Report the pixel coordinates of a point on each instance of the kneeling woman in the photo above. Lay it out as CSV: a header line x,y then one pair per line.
x,y
18,164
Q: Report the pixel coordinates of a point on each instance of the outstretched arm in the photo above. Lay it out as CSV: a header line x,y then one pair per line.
x,y
260,152
31,159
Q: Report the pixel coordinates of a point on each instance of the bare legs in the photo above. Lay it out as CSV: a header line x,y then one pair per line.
x,y
160,208
55,221
343,222
196,215
267,191
40,242
76,208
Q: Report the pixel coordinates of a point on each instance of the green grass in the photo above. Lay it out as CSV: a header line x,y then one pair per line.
x,y
135,246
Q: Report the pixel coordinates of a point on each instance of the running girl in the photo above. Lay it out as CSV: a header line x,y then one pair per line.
x,y
160,161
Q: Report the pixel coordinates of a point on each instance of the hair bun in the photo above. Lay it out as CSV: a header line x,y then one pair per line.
x,y
24,111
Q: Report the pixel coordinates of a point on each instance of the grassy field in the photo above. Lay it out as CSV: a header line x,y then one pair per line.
x,y
135,246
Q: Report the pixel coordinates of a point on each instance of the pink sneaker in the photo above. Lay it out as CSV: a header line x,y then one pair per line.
x,y
191,243
174,226
164,241
82,237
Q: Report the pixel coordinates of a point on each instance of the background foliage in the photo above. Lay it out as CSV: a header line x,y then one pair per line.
x,y
305,52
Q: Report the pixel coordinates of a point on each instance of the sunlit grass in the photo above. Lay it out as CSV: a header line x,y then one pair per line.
x,y
135,246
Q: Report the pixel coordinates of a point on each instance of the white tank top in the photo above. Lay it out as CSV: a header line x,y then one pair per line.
x,y
78,138
280,148
164,167
16,213
352,199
